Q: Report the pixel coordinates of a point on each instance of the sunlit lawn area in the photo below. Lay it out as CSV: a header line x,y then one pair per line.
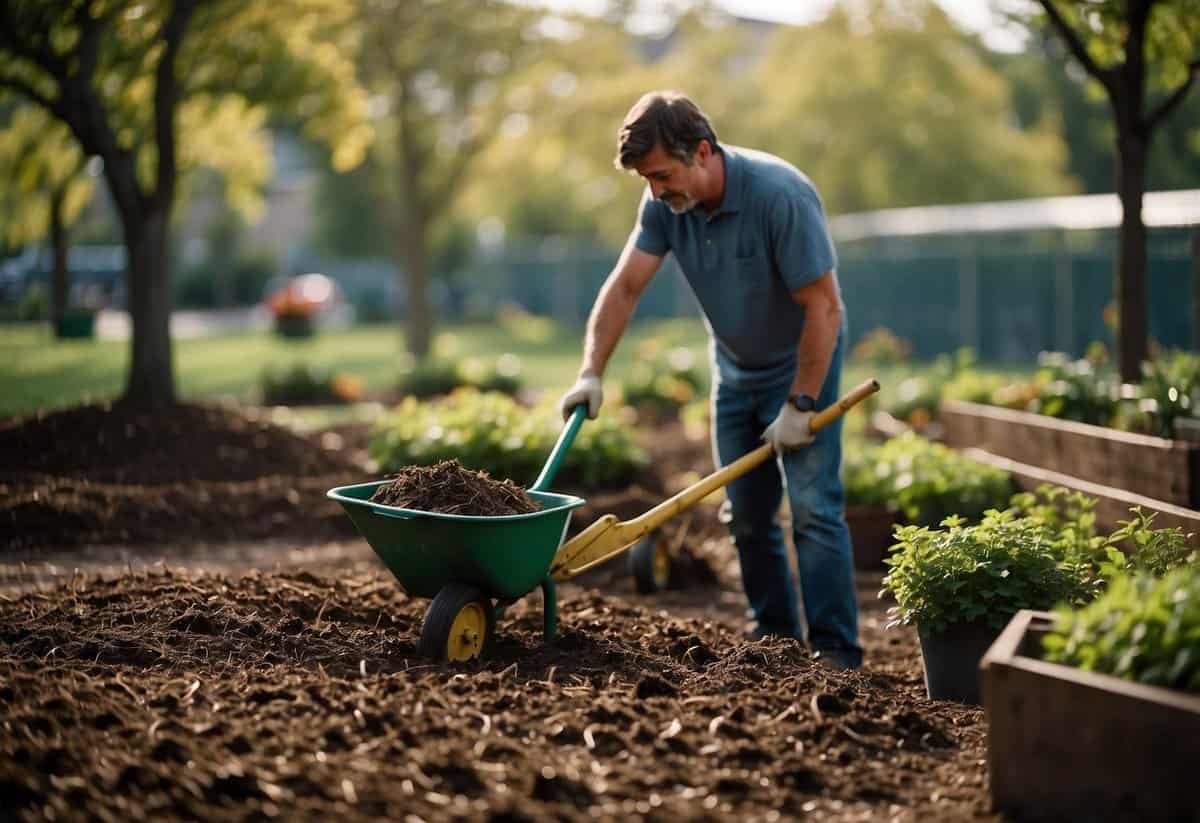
x,y
37,371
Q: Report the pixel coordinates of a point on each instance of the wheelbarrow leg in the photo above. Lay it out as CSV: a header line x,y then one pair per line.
x,y
549,608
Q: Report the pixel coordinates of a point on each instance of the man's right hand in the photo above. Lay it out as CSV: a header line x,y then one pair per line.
x,y
587,389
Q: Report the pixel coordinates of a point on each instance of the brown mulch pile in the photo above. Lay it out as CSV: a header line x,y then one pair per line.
x,y
176,695
450,487
101,474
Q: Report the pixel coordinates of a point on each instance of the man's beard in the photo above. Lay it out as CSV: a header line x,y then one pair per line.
x,y
678,202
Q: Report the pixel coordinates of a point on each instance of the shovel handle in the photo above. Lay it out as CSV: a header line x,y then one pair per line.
x,y
608,537
578,415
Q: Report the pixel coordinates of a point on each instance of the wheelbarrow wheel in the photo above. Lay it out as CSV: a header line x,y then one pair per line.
x,y
459,624
650,563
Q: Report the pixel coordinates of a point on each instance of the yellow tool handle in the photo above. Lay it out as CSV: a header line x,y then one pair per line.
x,y
608,537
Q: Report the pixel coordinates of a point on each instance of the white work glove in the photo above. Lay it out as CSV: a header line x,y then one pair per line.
x,y
586,390
790,430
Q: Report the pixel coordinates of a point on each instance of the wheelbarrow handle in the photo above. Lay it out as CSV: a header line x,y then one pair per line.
x,y
578,415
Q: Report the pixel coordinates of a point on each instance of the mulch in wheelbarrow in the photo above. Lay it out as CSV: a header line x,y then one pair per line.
x,y
450,487
176,695
105,474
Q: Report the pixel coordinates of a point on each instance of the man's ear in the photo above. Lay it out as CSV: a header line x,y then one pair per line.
x,y
703,152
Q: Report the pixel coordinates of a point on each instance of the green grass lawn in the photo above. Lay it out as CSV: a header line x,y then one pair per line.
x,y
38,372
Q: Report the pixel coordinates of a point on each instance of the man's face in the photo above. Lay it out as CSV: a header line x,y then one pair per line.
x,y
670,179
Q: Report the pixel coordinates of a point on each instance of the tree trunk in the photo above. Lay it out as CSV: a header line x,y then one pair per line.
x,y
60,277
413,253
1131,259
151,382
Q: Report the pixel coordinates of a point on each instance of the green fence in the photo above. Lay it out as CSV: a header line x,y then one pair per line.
x,y
1007,296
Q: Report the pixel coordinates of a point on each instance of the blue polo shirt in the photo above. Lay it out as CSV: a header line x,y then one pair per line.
x,y
743,260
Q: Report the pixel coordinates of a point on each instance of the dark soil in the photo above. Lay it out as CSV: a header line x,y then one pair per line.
x,y
176,695
100,474
451,488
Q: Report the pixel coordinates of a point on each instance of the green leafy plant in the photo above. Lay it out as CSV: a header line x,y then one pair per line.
x,y
302,385
1144,548
1142,628
1135,546
664,380
1076,390
916,398
491,431
925,481
1170,386
986,573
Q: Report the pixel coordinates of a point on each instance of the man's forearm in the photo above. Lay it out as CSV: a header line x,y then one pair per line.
x,y
610,315
818,341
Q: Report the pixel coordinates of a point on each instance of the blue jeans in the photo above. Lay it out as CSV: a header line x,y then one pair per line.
x,y
814,486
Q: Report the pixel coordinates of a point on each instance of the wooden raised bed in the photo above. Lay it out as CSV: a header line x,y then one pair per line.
x,y
1112,505
1073,745
1164,470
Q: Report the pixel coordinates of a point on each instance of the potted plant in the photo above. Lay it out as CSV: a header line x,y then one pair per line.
x,y
294,317
1096,711
960,585
871,511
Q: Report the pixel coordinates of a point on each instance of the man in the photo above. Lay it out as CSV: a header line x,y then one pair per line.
x,y
749,233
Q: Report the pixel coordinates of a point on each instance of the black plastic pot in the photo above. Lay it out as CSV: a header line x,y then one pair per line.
x,y
951,660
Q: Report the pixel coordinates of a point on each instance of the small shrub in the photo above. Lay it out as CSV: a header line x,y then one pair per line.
x,y
1143,628
665,380
984,573
490,431
302,385
436,377
925,481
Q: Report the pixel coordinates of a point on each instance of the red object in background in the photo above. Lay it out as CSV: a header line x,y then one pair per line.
x,y
305,295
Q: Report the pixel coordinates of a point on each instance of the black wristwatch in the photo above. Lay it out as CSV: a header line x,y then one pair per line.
x,y
803,402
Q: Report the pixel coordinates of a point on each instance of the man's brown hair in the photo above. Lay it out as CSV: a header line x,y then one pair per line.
x,y
666,118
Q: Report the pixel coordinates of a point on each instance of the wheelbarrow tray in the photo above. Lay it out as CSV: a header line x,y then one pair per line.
x,y
506,557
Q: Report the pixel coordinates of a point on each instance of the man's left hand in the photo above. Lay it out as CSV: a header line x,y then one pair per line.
x,y
790,430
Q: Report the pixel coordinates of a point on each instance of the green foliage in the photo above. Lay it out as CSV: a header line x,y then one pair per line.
x,y
304,385
491,431
1170,389
881,347
983,573
1150,550
925,481
665,380
1143,628
39,163
1074,390
916,398
433,376
940,130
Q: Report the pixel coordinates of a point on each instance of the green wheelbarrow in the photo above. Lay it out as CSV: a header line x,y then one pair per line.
x,y
475,567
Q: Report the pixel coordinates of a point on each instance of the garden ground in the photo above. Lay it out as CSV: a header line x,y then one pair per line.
x,y
179,677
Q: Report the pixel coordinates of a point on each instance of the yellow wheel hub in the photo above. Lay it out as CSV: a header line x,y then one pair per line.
x,y
467,633
662,563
